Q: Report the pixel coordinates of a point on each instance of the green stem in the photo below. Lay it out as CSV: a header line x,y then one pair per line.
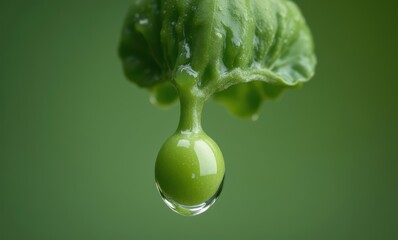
x,y
190,113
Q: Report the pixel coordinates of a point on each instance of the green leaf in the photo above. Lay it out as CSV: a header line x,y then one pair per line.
x,y
240,52
163,94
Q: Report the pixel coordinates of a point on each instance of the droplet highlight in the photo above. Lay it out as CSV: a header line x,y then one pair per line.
x,y
190,210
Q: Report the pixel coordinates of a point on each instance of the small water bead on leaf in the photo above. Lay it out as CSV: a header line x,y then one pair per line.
x,y
143,21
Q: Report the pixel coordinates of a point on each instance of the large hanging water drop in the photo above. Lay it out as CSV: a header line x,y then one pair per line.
x,y
189,172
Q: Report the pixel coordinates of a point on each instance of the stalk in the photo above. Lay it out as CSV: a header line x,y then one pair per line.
x,y
190,113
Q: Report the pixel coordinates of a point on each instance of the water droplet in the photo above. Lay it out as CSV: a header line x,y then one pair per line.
x,y
189,173
256,41
188,69
254,117
236,41
143,21
186,210
224,68
187,50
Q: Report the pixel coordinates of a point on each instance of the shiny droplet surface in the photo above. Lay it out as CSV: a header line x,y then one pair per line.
x,y
190,210
189,172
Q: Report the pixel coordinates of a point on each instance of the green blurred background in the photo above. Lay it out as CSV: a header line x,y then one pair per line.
x,y
78,142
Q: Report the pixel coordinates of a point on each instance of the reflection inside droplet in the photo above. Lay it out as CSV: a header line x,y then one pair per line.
x,y
206,158
190,210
